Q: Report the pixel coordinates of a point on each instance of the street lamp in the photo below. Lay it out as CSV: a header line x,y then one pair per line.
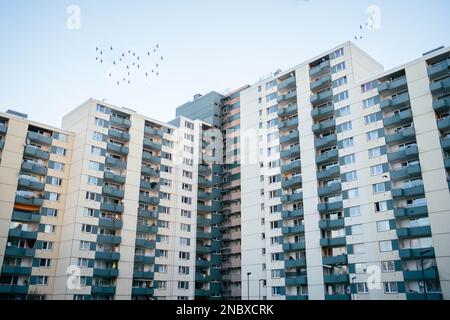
x,y
248,285
353,286
259,287
423,272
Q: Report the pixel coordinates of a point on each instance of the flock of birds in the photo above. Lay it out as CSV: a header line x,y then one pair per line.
x,y
369,26
125,66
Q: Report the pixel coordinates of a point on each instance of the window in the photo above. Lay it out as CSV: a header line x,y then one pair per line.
x,y
87,228
343,111
349,176
183,270
163,254
339,53
90,195
97,136
348,143
354,211
52,196
359,248
357,229
272,109
59,151
44,263
92,180
185,242
376,170
186,200
373,135
163,224
188,162
162,285
49,228
271,96
94,165
390,287
189,125
187,187
375,152
185,227
385,246
349,159
163,239
162,268
341,96
83,262
352,193
187,174
276,274
360,268
369,86
381,206
276,224
47,245
58,166
383,226
388,266
371,118
88,212
85,245
379,187
183,285
370,102
189,149
346,126
272,123
100,108
340,82
101,122
271,84
61,137
277,291
338,67
186,213
41,280
361,287
54,181
183,255
96,151
188,136
164,195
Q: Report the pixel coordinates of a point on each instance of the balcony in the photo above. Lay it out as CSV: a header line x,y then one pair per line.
x,y
21,234
440,87
326,207
338,297
329,156
148,244
203,263
416,275
20,252
109,239
445,142
24,216
29,167
149,144
421,296
103,290
404,154
408,192
295,263
296,246
203,222
292,214
148,200
297,298
112,192
291,183
143,228
2,144
413,212
204,208
400,119
147,214
120,122
35,152
202,293
146,185
153,132
441,105
324,126
30,201
447,163
204,170
284,125
111,207
330,189
108,256
331,224
110,223
115,163
321,83
335,278
291,167
142,291
293,152
326,141
444,124
114,178
397,102
286,84
415,253
144,259
291,137
405,135
149,172
204,196
389,88
320,70
322,112
148,275
13,289
31,185
203,249
333,242
287,98
114,148
202,278
16,270
205,183
335,260
331,172
293,230
410,171
119,135
322,97
288,111
296,280
39,138
3,128
413,232
204,235
439,70
289,198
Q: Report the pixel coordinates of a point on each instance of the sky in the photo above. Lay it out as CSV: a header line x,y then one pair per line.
x,y
48,69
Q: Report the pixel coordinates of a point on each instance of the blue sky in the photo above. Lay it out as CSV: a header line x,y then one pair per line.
x,y
47,70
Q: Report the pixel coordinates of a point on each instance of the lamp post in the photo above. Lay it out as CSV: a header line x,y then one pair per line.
x,y
353,286
259,288
423,272
248,285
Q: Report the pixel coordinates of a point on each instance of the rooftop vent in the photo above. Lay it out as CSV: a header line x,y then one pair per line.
x,y
197,96
17,114
434,50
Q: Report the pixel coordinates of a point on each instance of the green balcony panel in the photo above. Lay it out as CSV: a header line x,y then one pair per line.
x,y
216,218
336,278
216,259
119,135
147,214
332,224
144,259
416,275
106,273
204,235
415,253
204,208
20,252
120,122
31,185
410,171
338,297
321,97
109,256
440,87
447,163
293,152
408,134
202,278
2,144
146,185
111,177
445,142
292,214
16,270
291,167
115,163
321,83
149,144
295,263
111,207
203,263
202,293
324,126
148,157
103,290
291,183
146,229
333,188
148,200
203,249
444,124
404,154
400,119
204,170
321,69
109,239
400,101
329,156
288,124
205,183
421,296
296,280
112,192
293,230
298,298
326,141
388,88
37,202
17,233
39,138
148,275
294,246
149,172
288,198
414,232
322,112
153,132
110,223
335,260
142,291
216,233
286,84
329,173
148,244
114,148
333,242
408,192
288,111
216,245
13,289
29,167
291,137
3,128
24,216
414,212
439,70
326,207
442,105
35,152
288,97
204,196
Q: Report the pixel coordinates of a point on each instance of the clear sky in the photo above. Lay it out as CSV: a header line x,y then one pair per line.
x,y
47,69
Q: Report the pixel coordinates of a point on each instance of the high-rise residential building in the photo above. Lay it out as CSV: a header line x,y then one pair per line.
x,y
329,180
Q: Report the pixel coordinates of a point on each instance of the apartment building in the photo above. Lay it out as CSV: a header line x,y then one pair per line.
x,y
347,188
